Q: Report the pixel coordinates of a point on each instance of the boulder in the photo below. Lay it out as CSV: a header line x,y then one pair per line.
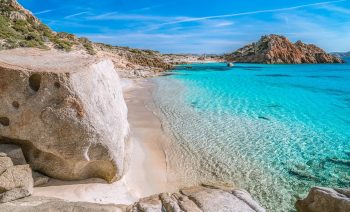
x,y
230,64
39,179
325,200
14,152
169,202
49,204
5,163
209,200
16,182
67,113
150,204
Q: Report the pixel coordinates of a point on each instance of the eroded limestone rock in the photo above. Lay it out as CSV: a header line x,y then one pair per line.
x,y
67,113
325,200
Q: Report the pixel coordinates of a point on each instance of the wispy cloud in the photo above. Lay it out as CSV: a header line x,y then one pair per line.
x,y
150,8
75,14
248,13
224,24
134,17
337,9
287,22
45,11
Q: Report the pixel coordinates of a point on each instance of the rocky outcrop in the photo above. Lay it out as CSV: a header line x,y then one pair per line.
x,y
199,198
66,112
192,199
325,200
276,49
19,13
16,182
49,204
15,175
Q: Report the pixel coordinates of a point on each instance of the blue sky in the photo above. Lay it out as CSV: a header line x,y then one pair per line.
x,y
188,26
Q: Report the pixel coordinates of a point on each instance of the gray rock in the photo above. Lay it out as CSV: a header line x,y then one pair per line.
x,y
185,203
39,179
325,200
169,203
211,200
14,152
5,163
47,204
150,204
16,182
66,111
245,197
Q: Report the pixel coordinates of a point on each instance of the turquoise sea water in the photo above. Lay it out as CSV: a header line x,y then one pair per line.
x,y
274,130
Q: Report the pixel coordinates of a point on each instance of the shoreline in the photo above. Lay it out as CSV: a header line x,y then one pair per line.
x,y
147,135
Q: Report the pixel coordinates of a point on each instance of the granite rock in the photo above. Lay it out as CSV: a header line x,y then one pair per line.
x,y
211,198
16,182
47,204
67,113
325,200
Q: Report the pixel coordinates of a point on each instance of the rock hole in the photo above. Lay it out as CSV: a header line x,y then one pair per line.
x,y
4,121
15,104
34,82
57,85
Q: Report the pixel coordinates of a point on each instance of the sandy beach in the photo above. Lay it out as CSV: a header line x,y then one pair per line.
x,y
147,173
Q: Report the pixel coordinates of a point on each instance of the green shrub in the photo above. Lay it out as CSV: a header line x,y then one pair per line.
x,y
62,34
10,34
20,26
150,52
63,44
34,36
137,51
4,22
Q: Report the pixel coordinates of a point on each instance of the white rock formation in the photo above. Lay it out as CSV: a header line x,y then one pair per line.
x,y
66,111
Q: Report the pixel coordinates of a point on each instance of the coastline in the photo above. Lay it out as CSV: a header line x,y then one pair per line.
x,y
149,159
147,171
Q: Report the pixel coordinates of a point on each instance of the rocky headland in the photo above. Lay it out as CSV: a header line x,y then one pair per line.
x,y
276,49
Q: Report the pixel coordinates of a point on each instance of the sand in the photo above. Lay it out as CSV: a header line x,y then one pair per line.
x,y
147,172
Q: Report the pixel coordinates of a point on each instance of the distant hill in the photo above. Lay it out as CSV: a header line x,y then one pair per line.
x,y
276,49
341,54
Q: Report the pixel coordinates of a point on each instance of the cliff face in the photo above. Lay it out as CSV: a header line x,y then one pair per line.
x,y
66,111
276,49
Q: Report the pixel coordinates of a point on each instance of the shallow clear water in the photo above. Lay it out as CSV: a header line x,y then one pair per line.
x,y
274,130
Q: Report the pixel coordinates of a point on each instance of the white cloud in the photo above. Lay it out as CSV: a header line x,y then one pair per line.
x,y
249,13
224,24
46,11
75,14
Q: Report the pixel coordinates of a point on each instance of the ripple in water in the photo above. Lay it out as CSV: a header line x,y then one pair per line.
x,y
275,136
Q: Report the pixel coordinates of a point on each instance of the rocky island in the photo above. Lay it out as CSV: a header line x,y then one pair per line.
x,y
64,118
276,49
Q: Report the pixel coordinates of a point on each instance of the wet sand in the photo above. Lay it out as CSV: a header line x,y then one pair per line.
x,y
147,173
